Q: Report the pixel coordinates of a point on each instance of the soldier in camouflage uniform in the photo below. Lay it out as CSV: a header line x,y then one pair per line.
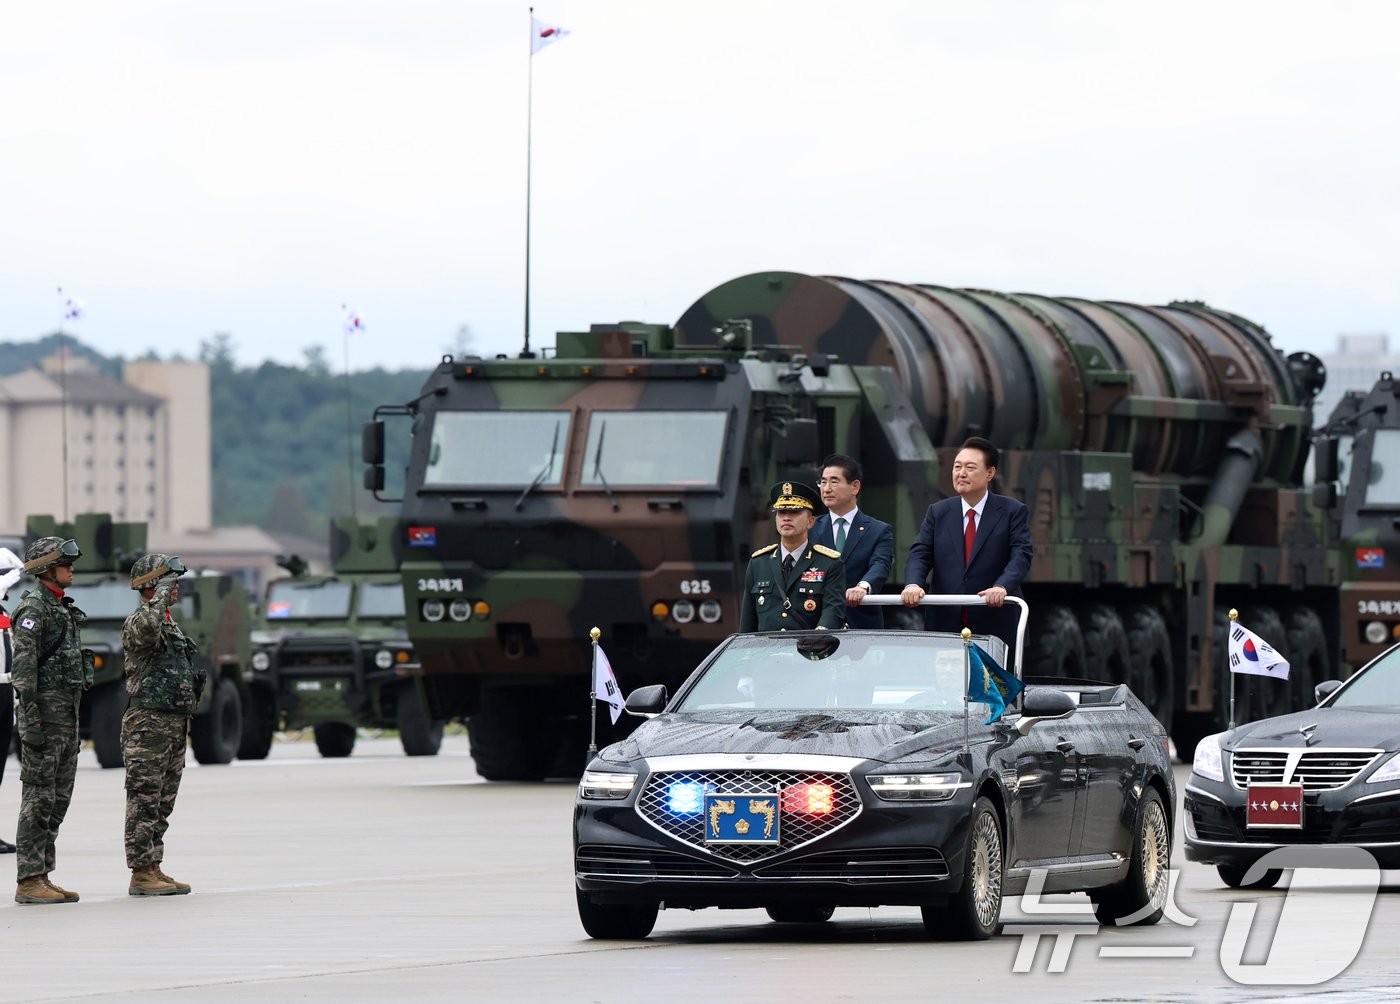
x,y
49,675
795,584
164,686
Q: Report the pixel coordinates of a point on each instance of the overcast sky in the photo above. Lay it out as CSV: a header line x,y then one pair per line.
x,y
190,168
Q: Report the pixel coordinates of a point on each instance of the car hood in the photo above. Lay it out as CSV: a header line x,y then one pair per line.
x,y
869,735
1368,728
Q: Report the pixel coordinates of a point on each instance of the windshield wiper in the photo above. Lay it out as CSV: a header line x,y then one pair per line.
x,y
598,465
544,471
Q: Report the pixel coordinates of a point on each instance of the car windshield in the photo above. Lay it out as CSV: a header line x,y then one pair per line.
x,y
380,599
672,449
291,601
105,601
497,449
1378,686
834,670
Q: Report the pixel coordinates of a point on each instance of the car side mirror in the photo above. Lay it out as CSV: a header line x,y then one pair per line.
x,y
1042,704
647,702
1326,689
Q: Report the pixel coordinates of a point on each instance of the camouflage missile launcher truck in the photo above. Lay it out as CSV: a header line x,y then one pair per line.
x,y
332,651
213,611
623,483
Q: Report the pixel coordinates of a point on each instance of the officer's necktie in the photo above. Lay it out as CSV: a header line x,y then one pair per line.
x,y
840,533
969,535
788,562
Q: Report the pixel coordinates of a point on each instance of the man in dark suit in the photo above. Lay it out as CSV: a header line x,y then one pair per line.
x,y
975,543
865,543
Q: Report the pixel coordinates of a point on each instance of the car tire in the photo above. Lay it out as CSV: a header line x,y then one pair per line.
x,y
420,735
1142,896
615,921
973,913
105,708
216,734
1233,876
259,725
334,739
801,913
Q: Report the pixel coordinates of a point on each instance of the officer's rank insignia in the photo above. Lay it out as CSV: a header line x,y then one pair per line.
x,y
809,606
814,575
787,487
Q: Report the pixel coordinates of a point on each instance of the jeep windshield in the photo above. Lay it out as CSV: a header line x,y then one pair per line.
x,y
294,601
497,449
380,599
105,601
653,449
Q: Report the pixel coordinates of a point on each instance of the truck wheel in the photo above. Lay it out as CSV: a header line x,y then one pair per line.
x,y
1307,656
259,725
1150,665
215,735
1142,896
1055,645
108,703
973,913
1105,644
420,735
1271,696
615,921
509,737
335,739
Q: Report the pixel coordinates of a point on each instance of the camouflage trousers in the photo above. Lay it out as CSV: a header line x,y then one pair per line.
x,y
153,746
49,754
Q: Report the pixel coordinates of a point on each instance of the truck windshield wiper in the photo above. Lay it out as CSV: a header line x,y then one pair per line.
x,y
598,465
544,471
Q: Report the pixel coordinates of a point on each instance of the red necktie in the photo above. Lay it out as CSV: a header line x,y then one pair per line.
x,y
969,535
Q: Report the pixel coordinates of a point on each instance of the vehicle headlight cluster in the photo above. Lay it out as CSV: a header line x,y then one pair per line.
x,y
685,611
1208,761
386,658
261,661
606,784
917,787
1388,771
456,608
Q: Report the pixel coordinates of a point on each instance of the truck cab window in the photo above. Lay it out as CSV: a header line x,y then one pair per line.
x,y
497,449
674,449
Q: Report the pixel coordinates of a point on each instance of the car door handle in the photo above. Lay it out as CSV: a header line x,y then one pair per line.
x,y
1136,744
1065,746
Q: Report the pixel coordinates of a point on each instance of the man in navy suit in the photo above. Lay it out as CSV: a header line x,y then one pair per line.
x,y
865,543
975,543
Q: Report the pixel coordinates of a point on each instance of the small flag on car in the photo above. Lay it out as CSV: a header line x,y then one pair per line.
x,y
605,686
1253,655
988,683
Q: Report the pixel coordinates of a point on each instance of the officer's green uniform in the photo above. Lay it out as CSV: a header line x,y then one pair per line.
x,y
812,595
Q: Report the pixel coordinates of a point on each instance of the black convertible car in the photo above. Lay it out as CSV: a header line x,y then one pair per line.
x,y
801,771
1330,775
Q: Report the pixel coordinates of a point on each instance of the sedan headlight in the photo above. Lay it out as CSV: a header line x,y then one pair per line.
x,y
916,787
261,660
605,784
1207,762
383,658
1388,771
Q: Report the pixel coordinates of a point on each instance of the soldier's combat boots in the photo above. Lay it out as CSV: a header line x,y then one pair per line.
x,y
36,890
68,894
180,887
147,882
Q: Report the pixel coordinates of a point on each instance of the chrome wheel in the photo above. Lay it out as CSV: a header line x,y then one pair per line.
x,y
1155,853
986,870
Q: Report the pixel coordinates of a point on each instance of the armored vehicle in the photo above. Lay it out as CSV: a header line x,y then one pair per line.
x,y
331,651
213,611
623,483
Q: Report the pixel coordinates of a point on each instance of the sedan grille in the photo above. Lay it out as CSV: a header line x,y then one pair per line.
x,y
795,828
1315,770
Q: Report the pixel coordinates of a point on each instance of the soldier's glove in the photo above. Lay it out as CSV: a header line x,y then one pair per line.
x,y
200,679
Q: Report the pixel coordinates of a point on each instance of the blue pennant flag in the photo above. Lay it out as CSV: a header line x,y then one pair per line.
x,y
989,684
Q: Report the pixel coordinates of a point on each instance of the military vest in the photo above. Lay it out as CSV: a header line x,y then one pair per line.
x,y
57,637
167,682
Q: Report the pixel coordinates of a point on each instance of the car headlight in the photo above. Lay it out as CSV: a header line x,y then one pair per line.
x,y
710,611
383,658
460,610
605,784
261,660
916,787
1376,633
1207,762
434,610
1388,771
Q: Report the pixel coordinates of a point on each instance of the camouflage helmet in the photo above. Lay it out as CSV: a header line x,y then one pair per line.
x,y
48,552
149,570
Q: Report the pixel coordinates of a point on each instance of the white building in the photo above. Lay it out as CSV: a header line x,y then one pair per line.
x,y
1356,365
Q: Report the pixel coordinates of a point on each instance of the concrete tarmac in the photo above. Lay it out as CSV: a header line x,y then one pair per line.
x,y
385,878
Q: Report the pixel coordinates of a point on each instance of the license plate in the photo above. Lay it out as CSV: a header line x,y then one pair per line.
x,y
741,818
1274,807
308,685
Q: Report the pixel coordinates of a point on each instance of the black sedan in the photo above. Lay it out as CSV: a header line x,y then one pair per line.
x,y
801,771
1330,775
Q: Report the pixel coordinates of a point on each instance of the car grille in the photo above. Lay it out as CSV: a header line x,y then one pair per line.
x,y
859,864
795,828
644,863
1316,770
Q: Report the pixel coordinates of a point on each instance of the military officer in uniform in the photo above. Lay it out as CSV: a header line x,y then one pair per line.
x,y
794,584
49,674
164,685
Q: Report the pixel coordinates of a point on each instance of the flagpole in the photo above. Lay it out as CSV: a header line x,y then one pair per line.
x,y
63,400
595,634
1234,616
529,128
349,414
967,684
